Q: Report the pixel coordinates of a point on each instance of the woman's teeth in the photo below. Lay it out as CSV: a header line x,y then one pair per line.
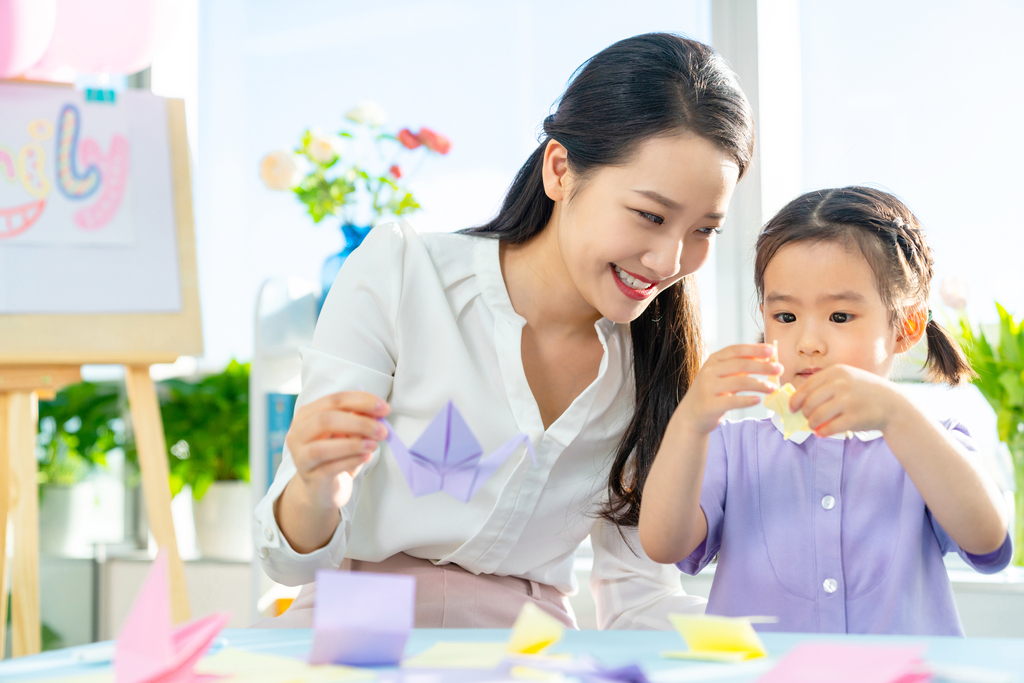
x,y
630,281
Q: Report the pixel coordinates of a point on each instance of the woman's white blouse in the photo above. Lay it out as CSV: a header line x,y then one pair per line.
x,y
421,319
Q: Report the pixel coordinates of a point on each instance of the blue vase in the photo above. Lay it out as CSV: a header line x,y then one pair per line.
x,y
353,236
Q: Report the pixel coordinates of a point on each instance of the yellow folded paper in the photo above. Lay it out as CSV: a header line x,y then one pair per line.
x,y
778,401
534,631
458,655
253,667
718,639
239,666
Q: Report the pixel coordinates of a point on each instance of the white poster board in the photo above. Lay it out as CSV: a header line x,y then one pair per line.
x,y
87,206
97,242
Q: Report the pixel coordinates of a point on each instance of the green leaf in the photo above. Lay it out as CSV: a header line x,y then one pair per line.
x,y
1009,349
177,483
202,484
1006,424
1011,381
212,416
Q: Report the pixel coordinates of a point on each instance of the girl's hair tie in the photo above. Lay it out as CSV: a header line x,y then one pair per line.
x,y
929,315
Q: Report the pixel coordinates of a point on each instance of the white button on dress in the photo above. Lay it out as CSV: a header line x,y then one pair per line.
x,y
830,586
828,502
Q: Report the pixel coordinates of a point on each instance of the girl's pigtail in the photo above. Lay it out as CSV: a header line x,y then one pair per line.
x,y
946,360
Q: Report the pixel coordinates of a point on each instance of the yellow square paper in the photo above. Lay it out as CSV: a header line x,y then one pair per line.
x,y
534,630
718,639
252,667
458,655
778,401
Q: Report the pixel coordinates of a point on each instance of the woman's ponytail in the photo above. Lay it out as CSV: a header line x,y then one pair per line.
x,y
946,360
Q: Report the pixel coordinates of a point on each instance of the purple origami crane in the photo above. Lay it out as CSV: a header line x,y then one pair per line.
x,y
447,457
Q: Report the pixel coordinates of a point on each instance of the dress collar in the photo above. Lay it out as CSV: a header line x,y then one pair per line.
x,y
800,437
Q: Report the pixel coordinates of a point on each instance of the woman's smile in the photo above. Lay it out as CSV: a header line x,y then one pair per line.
x,y
632,285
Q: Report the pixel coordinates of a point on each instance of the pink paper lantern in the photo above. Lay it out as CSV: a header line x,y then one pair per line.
x,y
26,27
105,36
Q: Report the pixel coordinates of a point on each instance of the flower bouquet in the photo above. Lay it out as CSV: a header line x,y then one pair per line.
x,y
352,174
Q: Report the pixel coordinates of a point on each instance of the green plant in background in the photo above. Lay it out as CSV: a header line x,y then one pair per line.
x,y
78,428
1000,368
206,424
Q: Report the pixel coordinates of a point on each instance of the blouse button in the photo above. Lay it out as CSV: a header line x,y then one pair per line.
x,y
830,586
828,502
269,533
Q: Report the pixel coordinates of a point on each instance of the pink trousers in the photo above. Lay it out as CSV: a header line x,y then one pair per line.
x,y
447,596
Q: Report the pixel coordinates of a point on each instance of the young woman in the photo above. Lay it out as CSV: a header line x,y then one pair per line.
x,y
843,529
570,317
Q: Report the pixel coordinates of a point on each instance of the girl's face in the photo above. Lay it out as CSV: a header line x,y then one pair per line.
x,y
822,305
631,231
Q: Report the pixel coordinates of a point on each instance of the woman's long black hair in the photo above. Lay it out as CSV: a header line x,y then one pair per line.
x,y
647,86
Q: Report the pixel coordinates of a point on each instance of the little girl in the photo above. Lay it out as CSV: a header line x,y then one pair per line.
x,y
843,529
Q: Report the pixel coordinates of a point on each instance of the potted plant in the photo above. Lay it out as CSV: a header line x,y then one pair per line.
x,y
999,363
78,428
206,424
353,173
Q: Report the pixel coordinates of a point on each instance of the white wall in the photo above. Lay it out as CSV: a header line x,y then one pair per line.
x,y
484,74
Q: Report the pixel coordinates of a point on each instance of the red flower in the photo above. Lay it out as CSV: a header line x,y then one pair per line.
x,y
408,139
396,171
435,141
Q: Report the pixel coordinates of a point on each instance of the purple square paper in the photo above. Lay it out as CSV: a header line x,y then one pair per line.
x,y
361,618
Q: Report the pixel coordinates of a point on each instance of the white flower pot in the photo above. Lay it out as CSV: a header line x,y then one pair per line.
x,y
65,516
224,521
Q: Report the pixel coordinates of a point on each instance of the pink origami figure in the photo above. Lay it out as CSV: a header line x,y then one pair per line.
x,y
447,457
149,649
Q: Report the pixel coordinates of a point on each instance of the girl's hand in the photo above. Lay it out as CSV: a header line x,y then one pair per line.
x,y
715,389
330,439
841,398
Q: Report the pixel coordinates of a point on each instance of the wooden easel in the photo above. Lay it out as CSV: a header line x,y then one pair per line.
x,y
19,390
41,353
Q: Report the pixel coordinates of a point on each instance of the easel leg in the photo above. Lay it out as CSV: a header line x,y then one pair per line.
x,y
149,440
26,635
6,448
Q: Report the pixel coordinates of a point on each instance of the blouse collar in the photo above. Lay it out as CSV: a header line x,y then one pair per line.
x,y
800,437
495,293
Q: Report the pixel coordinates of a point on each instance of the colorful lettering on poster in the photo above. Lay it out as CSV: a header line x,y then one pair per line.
x,y
73,184
7,164
114,169
30,170
15,220
106,173
28,167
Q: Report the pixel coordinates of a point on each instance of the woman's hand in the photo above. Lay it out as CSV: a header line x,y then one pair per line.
x,y
715,389
841,399
330,440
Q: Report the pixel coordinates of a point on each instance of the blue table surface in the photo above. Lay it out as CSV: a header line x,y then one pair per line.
x,y
613,648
